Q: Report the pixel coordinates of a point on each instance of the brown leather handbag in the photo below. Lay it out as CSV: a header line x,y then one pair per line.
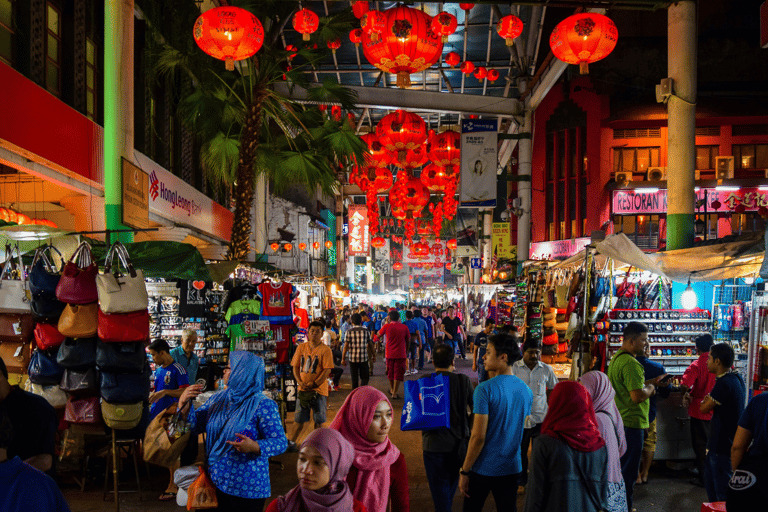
x,y
16,355
16,327
79,321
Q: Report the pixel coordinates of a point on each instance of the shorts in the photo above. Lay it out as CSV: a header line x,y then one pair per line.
x,y
396,369
649,445
319,408
413,351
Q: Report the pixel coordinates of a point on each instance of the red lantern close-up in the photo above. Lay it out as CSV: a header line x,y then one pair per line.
x,y
467,67
446,149
336,112
356,36
373,24
584,38
305,22
377,242
397,265
407,44
328,244
302,246
433,177
400,131
334,44
378,155
466,6
409,196
716,205
444,24
315,245
413,158
481,72
359,9
493,75
448,266
452,244
509,27
452,59
288,247
228,34
274,246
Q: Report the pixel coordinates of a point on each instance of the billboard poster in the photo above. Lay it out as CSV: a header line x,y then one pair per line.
x,y
479,159
383,258
502,244
358,230
466,232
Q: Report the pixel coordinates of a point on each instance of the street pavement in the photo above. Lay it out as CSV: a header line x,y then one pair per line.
x,y
667,490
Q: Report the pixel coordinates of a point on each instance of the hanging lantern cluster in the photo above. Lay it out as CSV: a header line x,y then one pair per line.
x,y
401,131
583,38
228,34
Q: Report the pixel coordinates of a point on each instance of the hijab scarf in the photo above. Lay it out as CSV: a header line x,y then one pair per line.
x,y
372,460
338,454
233,409
571,418
599,388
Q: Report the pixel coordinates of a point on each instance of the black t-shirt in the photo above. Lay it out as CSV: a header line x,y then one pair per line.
x,y
481,341
192,298
34,423
730,393
451,326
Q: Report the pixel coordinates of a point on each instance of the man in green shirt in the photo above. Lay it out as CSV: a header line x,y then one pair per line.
x,y
632,394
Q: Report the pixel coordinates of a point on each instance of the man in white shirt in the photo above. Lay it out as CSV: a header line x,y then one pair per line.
x,y
541,379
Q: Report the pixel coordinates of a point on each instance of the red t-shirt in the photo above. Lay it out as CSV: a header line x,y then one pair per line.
x,y
273,507
397,340
700,382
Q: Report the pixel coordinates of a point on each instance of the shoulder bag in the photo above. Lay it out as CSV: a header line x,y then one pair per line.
x,y
121,292
77,354
83,410
54,395
124,327
46,307
16,327
122,416
16,355
163,443
80,382
43,368
120,357
79,320
125,388
47,336
14,295
44,275
78,284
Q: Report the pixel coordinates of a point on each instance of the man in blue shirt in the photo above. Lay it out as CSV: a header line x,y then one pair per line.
x,y
501,404
185,355
413,344
421,326
651,369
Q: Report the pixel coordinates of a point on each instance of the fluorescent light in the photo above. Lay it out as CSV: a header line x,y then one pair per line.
x,y
763,187
723,188
696,189
647,190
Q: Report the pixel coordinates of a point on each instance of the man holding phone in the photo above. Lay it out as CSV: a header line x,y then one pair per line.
x,y
651,369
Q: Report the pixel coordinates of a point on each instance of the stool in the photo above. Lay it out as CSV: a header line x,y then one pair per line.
x,y
120,447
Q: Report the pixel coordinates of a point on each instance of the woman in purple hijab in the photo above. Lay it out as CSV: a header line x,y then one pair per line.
x,y
324,461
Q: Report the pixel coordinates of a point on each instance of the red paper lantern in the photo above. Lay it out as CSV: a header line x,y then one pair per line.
x,y
397,265
315,245
302,246
433,177
716,205
288,247
274,246
467,67
452,244
378,155
356,36
293,51
452,59
228,34
334,44
328,244
305,22
336,112
400,131
466,6
409,196
583,38
373,24
378,242
444,24
493,75
481,72
416,285
407,45
446,150
509,27
412,159
359,9
448,266
421,249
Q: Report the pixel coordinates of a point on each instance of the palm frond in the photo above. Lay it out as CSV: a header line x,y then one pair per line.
x,y
219,157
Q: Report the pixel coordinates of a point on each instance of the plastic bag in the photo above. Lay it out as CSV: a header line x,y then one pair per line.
x,y
202,493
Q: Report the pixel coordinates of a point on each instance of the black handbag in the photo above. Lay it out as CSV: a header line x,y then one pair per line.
x,y
77,353
80,382
44,276
46,307
43,368
125,388
120,357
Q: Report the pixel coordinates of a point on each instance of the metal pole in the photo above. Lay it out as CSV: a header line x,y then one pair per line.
x,y
681,111
524,192
114,471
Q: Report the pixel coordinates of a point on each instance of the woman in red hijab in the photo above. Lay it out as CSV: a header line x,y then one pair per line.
x,y
569,460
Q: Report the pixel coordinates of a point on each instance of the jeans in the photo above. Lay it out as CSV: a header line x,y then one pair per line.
x,y
362,370
460,340
424,347
482,375
229,503
443,477
504,489
699,437
529,434
630,461
717,472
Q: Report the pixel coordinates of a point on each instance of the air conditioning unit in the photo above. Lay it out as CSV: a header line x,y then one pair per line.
x,y
657,173
623,177
724,167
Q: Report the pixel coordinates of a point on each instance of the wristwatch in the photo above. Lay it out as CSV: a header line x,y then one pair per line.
x,y
462,472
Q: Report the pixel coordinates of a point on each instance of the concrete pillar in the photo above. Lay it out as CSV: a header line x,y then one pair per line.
x,y
118,106
524,190
681,111
260,215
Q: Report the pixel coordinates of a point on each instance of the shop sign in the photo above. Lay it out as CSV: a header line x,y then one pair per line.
x,y
479,147
475,263
467,228
502,244
558,249
135,202
638,202
436,254
358,232
173,199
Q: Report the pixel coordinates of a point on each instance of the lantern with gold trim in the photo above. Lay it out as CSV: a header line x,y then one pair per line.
x,y
228,34
584,38
305,22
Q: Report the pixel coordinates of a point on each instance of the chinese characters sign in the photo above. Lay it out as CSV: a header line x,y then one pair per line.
x,y
502,244
358,230
631,202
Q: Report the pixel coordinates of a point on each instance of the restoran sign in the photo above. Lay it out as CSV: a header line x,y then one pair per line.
x,y
639,202
558,249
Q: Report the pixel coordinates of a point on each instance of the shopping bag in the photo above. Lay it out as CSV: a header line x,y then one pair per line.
x,y
164,442
124,327
427,403
83,410
78,284
77,354
47,336
14,294
202,493
43,368
121,292
79,320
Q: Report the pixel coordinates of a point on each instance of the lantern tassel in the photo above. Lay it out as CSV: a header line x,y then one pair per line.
x,y
403,79
510,41
584,67
445,39
305,37
229,63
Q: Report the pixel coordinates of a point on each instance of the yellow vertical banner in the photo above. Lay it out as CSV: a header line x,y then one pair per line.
x,y
502,243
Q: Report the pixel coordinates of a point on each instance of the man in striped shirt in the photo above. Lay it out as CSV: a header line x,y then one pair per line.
x,y
358,343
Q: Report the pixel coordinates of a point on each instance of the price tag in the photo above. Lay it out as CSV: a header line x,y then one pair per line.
x,y
255,326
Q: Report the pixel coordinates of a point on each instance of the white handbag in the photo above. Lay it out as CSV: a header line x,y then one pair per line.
x,y
118,292
14,294
54,395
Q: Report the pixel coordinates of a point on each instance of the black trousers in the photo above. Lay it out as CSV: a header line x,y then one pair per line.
x,y
504,489
699,437
529,434
229,503
359,370
336,374
189,454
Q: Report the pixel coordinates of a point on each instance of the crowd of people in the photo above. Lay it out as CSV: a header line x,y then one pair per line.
x,y
591,441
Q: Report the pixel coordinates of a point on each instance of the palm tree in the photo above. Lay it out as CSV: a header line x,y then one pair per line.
x,y
246,127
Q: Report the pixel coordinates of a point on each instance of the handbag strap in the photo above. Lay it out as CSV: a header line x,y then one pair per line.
x,y
119,250
10,260
40,254
82,256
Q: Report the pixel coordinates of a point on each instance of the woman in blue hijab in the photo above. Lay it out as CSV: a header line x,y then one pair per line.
x,y
243,430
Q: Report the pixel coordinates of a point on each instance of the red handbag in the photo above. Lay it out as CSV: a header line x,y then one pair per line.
x,y
48,336
78,285
124,327
84,410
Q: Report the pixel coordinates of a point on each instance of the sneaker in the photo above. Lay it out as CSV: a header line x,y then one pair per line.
x,y
292,447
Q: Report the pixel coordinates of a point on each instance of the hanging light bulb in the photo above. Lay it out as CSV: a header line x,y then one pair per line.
x,y
689,300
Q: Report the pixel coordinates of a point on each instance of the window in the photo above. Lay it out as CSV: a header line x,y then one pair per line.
x,y
705,157
750,156
637,133
566,197
643,230
6,31
635,159
53,50
90,79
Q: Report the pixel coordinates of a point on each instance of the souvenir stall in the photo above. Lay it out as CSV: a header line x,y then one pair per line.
x,y
311,300
480,304
757,376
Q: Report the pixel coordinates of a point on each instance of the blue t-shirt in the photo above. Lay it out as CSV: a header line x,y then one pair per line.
x,y
378,318
23,488
413,328
730,393
421,325
174,376
507,401
652,369
190,364
430,326
755,419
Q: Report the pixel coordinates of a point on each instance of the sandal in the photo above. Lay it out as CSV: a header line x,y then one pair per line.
x,y
167,496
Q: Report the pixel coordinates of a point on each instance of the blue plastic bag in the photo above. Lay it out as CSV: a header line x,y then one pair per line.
x,y
427,403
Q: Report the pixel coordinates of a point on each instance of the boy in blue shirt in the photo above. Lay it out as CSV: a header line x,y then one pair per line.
x,y
413,345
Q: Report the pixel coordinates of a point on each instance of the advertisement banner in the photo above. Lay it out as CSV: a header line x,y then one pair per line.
x,y
466,232
436,254
135,196
558,249
479,159
641,202
502,243
358,230
383,258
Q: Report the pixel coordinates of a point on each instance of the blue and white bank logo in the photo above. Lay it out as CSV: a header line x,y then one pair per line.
x,y
742,480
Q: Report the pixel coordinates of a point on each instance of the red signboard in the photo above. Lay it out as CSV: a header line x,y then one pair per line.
x,y
639,202
358,230
558,249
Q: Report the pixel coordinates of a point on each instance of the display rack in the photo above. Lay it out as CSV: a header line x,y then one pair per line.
x,y
731,306
506,299
757,377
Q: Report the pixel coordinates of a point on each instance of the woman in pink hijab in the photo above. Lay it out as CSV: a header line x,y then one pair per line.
x,y
379,474
324,461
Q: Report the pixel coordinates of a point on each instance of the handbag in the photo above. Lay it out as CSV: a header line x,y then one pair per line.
x,y
122,416
47,336
80,382
44,275
77,354
54,395
164,442
125,388
427,403
83,410
124,327
202,493
16,327
46,307
120,357
16,355
78,285
79,320
121,293
14,295
43,368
